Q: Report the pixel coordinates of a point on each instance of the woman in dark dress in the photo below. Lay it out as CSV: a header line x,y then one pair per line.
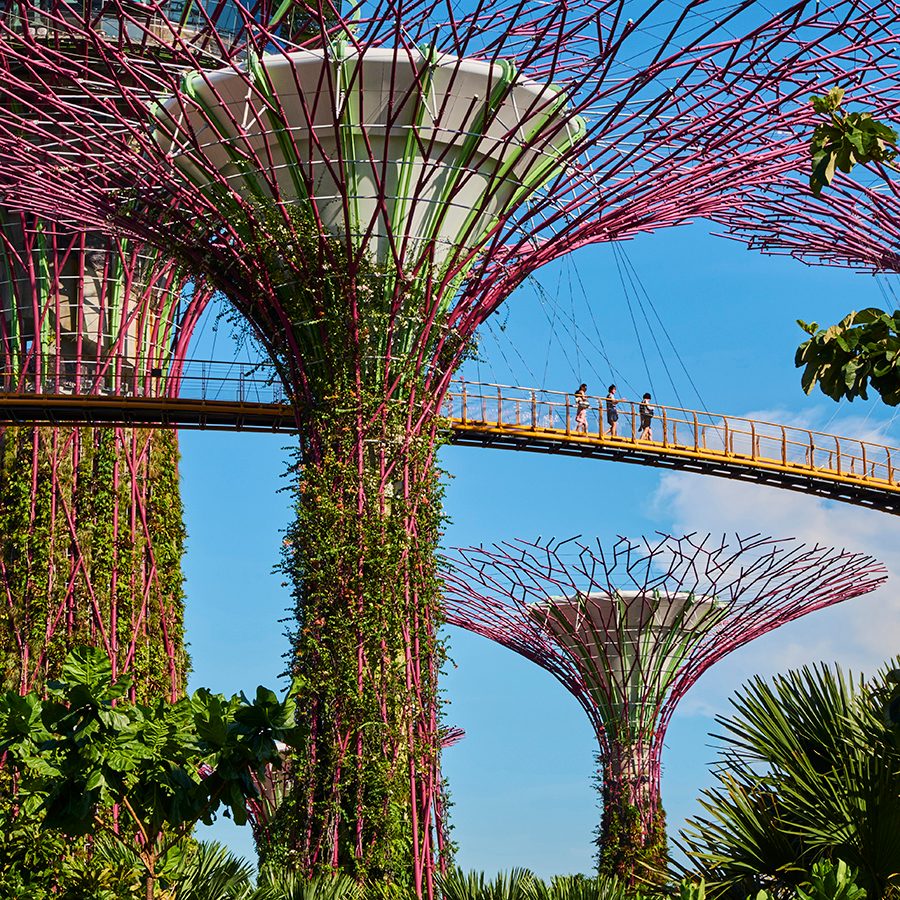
x,y
612,414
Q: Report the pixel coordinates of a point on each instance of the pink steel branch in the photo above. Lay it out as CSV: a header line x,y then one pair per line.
x,y
856,221
628,629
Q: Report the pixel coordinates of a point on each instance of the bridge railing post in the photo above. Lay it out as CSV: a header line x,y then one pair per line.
x,y
865,464
464,403
665,429
754,446
890,468
568,416
633,422
783,446
533,410
696,434
837,453
726,436
812,451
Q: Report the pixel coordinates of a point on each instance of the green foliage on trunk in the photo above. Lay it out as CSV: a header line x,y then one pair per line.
x,y
628,850
360,556
82,559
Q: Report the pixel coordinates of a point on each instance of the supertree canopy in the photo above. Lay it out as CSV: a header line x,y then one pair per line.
x,y
628,629
855,222
366,184
90,519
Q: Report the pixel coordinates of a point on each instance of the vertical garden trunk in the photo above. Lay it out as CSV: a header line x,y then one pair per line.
x,y
91,539
361,556
632,839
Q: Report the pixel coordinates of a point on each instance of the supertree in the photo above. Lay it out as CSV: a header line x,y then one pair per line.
x,y
91,525
92,535
366,185
629,628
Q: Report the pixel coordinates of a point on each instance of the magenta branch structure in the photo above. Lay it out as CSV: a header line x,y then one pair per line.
x,y
366,184
628,629
855,223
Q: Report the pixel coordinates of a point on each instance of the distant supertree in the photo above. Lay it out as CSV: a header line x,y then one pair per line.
x,y
367,184
630,628
91,532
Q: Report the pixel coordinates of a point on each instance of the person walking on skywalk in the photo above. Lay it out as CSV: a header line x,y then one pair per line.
x,y
612,414
582,405
646,412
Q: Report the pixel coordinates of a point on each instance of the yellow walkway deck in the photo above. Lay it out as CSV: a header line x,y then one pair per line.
x,y
531,420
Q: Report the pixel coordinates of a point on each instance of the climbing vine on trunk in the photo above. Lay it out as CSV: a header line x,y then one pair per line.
x,y
90,553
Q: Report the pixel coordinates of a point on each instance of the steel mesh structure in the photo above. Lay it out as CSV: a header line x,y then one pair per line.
x,y
366,185
628,629
856,221
91,526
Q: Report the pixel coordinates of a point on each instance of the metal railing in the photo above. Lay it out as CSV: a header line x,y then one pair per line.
x,y
118,376
474,406
708,435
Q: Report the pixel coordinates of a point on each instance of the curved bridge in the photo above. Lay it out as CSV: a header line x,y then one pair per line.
x,y
219,396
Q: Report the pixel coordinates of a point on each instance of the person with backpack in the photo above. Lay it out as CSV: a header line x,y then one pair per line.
x,y
646,412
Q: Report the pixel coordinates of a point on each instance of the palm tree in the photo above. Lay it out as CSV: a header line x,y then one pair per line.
x,y
809,771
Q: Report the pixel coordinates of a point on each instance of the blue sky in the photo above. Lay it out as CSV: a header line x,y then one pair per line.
x,y
521,779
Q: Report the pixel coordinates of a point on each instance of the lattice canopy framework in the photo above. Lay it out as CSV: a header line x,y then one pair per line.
x,y
628,629
855,223
856,220
366,185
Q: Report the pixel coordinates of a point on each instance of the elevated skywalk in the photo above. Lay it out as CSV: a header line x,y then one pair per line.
x,y
219,396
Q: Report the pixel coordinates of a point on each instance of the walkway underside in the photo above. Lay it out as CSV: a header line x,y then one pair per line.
x,y
847,489
736,449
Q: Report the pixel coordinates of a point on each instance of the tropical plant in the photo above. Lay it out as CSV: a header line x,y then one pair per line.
x,y
831,881
845,139
282,885
88,762
862,350
517,884
579,887
810,772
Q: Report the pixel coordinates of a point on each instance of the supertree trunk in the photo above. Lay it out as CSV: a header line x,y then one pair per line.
x,y
91,554
632,834
91,533
360,556
366,605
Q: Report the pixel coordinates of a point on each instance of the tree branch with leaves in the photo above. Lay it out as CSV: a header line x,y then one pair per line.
x,y
845,140
87,761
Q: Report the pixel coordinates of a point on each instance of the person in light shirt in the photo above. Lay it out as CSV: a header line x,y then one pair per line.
x,y
582,404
